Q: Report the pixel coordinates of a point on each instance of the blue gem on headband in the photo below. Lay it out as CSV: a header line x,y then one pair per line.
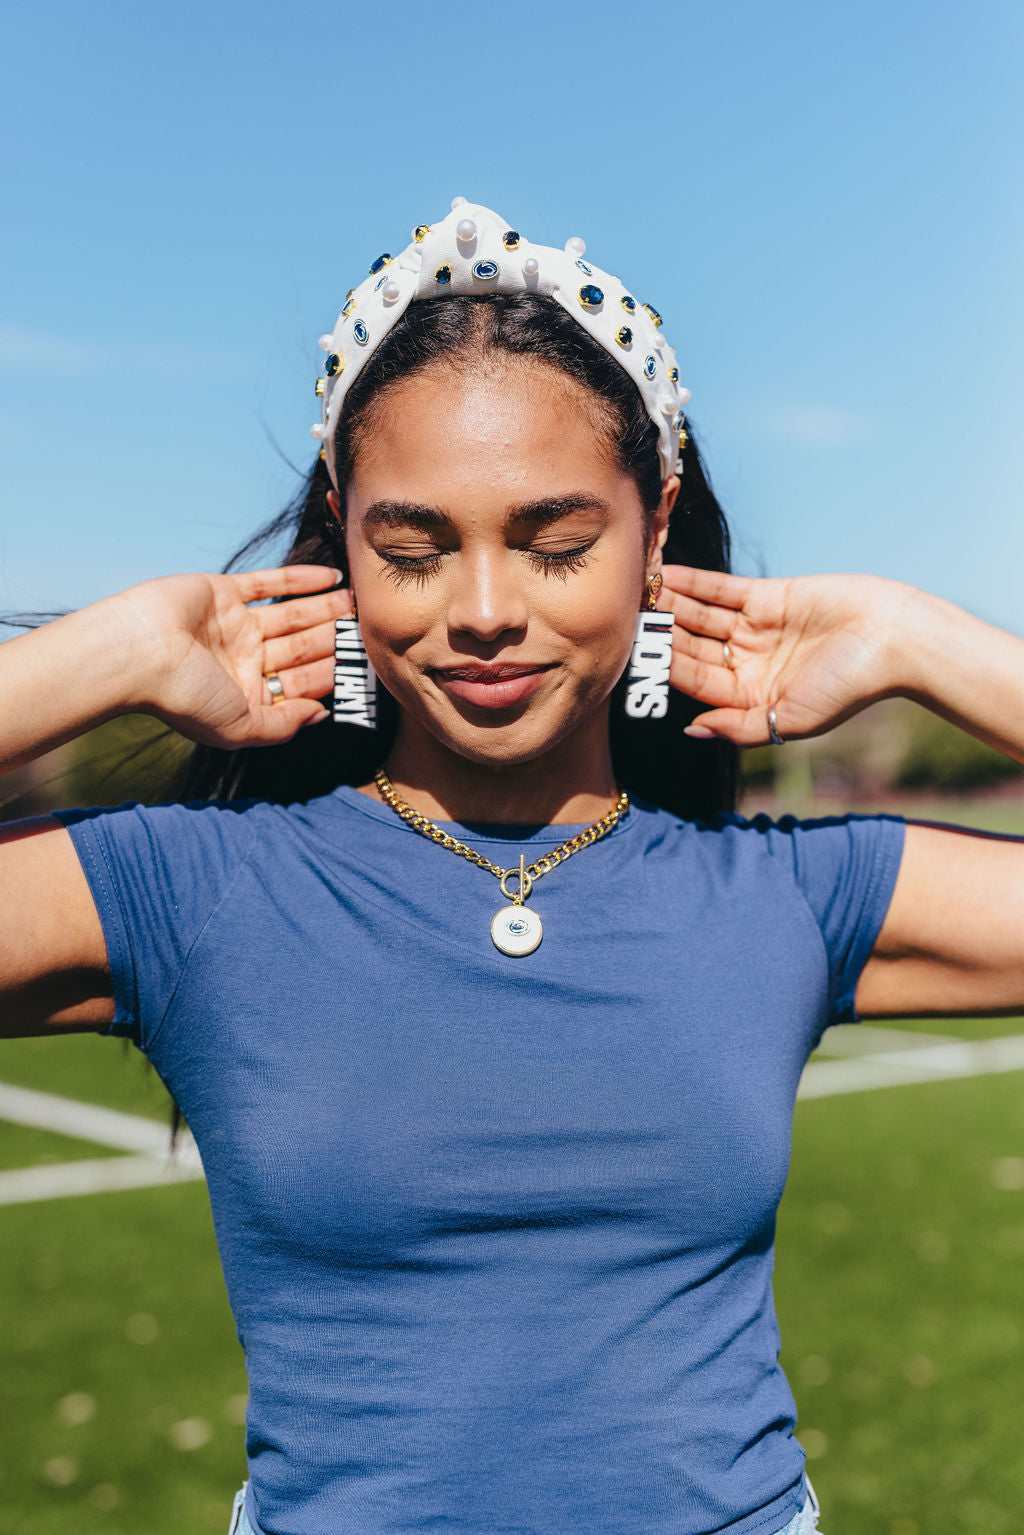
x,y
420,233
591,296
650,365
380,263
624,336
333,365
485,269
673,374
360,332
584,268
628,304
655,316
443,274
350,304
510,239
679,422
379,284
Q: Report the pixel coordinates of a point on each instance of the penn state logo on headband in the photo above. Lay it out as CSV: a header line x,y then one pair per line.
x,y
473,250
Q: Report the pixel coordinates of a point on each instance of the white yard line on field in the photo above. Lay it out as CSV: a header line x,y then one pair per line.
x,y
930,1063
152,1165
872,1039
62,1180
85,1121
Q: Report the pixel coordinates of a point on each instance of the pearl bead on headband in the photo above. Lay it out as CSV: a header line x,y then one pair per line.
x,y
474,251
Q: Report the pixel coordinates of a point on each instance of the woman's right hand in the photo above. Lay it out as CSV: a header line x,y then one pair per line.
x,y
209,652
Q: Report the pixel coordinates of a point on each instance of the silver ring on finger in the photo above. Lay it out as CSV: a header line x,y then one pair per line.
x,y
777,740
727,654
273,682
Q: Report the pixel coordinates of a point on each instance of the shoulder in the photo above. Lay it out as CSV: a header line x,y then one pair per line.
x,y
180,839
815,849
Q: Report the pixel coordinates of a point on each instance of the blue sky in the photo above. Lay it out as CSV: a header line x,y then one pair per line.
x,y
823,200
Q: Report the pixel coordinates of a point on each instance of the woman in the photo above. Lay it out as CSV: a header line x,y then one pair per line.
x,y
494,1174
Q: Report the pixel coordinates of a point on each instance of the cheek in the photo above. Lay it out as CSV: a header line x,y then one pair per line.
x,y
595,608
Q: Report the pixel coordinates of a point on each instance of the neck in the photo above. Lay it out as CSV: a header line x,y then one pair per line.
x,y
569,784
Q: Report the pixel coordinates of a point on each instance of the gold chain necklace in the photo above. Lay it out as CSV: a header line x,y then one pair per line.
x,y
515,929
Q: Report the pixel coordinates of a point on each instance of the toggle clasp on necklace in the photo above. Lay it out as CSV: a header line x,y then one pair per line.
x,y
525,883
515,929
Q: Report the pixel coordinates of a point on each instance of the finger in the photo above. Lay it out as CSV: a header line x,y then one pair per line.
x,y
744,727
697,648
711,684
699,617
283,579
314,680
293,650
708,585
303,612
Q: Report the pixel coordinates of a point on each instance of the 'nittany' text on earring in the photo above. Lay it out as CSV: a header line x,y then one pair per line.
x,y
355,682
647,681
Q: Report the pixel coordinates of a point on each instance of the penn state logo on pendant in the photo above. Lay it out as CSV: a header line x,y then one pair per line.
x,y
516,930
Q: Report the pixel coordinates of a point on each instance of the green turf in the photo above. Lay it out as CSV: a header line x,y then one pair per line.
x,y
956,1028
900,1290
21,1147
112,1310
96,1067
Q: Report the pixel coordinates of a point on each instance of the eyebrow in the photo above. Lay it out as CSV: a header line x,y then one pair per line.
x,y
410,514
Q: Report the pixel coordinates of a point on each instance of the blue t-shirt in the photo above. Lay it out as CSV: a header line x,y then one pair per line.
x,y
497,1232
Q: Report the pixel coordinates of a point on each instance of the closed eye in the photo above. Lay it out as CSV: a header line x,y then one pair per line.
x,y
407,567
559,563
419,568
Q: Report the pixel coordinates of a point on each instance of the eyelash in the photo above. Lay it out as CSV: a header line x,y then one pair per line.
x,y
405,568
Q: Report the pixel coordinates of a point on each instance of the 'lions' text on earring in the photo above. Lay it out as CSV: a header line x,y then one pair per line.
x,y
647,689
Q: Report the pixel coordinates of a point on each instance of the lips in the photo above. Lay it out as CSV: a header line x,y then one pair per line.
x,y
496,686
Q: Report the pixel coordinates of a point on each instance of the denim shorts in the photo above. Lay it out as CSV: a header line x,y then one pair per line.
x,y
803,1523
806,1521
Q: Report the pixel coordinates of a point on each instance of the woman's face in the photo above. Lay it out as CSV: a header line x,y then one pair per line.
x,y
498,555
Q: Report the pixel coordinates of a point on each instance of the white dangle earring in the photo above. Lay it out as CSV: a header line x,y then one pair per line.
x,y
647,681
355,681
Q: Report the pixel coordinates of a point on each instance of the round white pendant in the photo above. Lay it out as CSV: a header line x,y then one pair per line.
x,y
516,930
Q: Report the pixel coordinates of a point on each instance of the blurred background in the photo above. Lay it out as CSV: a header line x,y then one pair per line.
x,y
824,203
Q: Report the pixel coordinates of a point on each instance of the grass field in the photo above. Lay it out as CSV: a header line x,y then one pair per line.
x,y
899,1283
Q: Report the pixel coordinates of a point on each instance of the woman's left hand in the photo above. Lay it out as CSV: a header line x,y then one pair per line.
x,y
820,648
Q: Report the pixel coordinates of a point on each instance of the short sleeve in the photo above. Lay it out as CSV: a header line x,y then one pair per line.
x,y
157,874
845,868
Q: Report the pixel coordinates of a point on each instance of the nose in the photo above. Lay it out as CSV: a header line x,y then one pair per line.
x,y
486,600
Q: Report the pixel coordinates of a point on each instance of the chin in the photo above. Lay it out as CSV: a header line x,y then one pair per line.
x,y
509,742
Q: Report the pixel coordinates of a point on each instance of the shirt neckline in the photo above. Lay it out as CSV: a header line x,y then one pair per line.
x,y
482,831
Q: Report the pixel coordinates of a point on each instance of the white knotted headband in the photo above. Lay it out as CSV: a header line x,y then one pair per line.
x,y
474,251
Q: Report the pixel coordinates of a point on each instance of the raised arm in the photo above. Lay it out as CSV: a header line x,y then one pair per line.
x,y
821,648
186,649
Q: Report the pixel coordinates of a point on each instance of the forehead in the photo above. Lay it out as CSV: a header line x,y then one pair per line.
x,y
507,420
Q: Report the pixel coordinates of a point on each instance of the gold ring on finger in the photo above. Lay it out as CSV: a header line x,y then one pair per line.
x,y
273,682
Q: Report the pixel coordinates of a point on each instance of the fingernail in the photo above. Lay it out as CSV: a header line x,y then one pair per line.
x,y
701,732
315,718
339,575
